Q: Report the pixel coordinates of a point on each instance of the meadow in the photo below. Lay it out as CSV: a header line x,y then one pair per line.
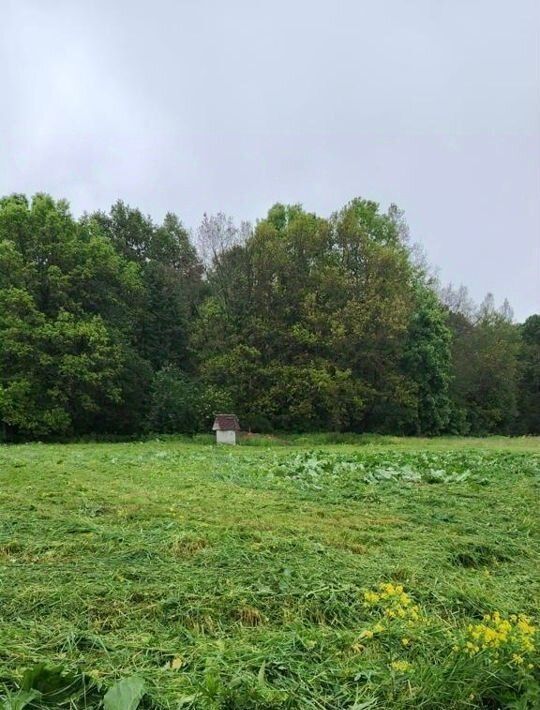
x,y
317,572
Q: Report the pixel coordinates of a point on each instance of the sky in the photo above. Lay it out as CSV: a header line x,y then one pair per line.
x,y
197,106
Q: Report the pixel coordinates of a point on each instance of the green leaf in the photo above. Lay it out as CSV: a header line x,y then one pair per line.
x,y
52,683
261,675
124,695
19,700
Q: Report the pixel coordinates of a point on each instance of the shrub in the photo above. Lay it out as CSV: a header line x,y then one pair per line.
x,y
174,403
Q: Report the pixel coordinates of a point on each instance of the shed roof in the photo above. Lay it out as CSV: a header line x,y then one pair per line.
x,y
226,422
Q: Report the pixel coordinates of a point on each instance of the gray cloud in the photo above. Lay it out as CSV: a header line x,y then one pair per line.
x,y
197,106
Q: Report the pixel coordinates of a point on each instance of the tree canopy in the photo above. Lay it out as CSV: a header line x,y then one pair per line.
x,y
114,324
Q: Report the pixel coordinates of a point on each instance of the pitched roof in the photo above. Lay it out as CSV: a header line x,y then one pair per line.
x,y
226,422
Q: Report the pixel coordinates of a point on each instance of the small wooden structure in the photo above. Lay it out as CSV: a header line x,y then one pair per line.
x,y
226,426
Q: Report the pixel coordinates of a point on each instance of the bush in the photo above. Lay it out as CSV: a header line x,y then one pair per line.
x,y
174,403
257,423
183,405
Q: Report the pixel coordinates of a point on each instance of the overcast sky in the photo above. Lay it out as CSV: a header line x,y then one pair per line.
x,y
207,105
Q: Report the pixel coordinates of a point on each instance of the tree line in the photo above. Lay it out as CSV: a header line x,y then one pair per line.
x,y
112,324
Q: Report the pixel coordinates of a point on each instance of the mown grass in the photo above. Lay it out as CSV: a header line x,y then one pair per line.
x,y
236,577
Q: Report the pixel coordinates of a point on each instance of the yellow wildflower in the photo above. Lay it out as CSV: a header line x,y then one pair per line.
x,y
371,597
525,626
497,634
401,666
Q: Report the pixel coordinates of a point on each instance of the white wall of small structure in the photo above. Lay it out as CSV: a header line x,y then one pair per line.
x,y
225,437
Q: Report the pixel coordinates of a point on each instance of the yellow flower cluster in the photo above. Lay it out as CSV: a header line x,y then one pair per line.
x,y
401,666
497,634
366,635
395,605
393,601
505,640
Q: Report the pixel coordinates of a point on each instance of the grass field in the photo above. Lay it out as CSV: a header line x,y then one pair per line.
x,y
272,575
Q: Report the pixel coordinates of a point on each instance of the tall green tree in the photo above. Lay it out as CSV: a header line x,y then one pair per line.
x,y
308,320
529,377
64,319
171,276
427,366
484,369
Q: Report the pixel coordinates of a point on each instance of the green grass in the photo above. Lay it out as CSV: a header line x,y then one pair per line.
x,y
235,577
